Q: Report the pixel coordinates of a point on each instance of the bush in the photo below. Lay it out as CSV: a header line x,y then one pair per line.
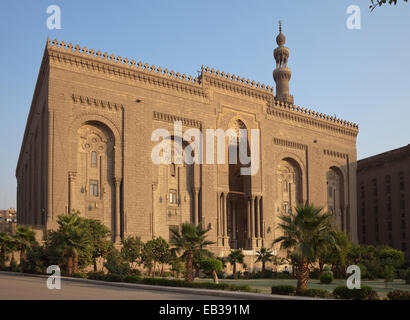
x,y
314,274
80,275
364,293
199,285
316,293
96,276
268,274
399,295
114,277
284,290
35,261
132,279
407,276
326,277
363,271
116,264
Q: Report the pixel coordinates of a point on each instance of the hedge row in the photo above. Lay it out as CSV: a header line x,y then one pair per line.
x,y
341,292
169,282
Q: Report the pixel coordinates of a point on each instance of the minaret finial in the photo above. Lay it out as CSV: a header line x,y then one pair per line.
x,y
280,26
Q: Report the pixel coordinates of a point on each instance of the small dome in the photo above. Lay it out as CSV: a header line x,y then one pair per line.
x,y
280,39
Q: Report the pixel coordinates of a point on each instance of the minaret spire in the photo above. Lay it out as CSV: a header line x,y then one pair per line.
x,y
282,73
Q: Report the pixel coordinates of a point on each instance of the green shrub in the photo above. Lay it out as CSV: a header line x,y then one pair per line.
x,y
407,276
399,295
199,285
364,293
326,277
114,277
80,275
36,260
115,263
268,274
96,276
132,279
283,289
363,271
314,274
316,293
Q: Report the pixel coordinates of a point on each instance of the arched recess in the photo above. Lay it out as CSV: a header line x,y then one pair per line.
x,y
240,187
175,198
84,118
336,204
105,202
289,184
92,188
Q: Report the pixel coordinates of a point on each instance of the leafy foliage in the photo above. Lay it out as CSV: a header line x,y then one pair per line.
x,y
316,293
283,289
326,277
364,293
236,256
131,250
305,233
191,240
24,238
264,255
212,266
116,264
399,295
378,3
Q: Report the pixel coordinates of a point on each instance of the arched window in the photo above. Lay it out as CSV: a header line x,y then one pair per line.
x,y
93,159
172,169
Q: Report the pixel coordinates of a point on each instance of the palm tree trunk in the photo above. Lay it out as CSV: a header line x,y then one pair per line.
x,y
321,265
263,266
234,270
2,257
188,267
75,262
69,265
302,274
95,264
215,276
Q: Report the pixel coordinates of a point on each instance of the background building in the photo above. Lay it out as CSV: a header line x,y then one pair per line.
x,y
87,147
8,220
383,193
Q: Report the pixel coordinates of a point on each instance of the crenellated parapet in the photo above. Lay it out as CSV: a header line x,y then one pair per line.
x,y
123,67
289,111
235,83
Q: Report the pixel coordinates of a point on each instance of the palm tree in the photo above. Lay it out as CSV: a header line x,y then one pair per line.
x,y
71,238
264,255
191,240
303,233
25,238
7,245
236,256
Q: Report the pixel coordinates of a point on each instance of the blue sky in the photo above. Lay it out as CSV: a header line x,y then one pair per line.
x,y
360,75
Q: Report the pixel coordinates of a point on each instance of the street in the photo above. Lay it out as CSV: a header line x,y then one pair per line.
x,y
27,288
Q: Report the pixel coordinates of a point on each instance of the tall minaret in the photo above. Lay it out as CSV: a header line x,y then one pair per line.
x,y
282,73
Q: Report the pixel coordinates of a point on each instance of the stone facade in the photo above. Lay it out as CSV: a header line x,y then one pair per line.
x,y
87,147
383,184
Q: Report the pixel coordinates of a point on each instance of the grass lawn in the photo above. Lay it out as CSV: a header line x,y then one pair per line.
x,y
264,285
